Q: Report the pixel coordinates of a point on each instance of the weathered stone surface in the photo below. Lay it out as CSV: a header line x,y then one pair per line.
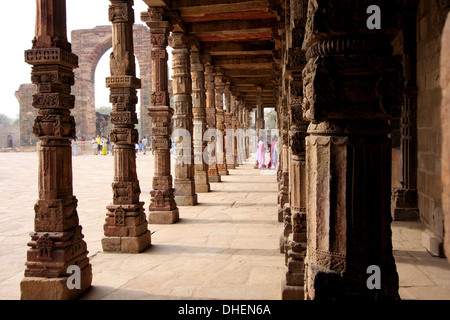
x,y
37,288
445,115
163,217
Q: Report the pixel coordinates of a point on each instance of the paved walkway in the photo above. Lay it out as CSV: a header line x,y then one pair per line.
x,y
224,248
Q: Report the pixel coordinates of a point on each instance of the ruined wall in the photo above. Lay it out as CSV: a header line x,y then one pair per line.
x,y
7,133
90,45
27,114
430,22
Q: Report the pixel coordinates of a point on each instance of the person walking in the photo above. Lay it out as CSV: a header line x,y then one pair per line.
x,y
144,145
261,154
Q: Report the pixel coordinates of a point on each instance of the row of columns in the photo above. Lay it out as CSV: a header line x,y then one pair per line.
x,y
57,244
335,164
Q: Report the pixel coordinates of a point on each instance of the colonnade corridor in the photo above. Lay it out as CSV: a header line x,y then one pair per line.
x,y
226,247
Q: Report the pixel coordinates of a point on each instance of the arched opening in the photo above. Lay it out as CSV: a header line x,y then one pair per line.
x,y
102,104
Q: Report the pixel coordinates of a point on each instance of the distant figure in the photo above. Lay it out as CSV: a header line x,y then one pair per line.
x,y
75,148
140,145
94,143
144,145
99,144
275,153
104,147
261,154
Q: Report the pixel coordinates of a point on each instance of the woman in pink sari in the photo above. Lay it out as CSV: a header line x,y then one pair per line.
x,y
261,154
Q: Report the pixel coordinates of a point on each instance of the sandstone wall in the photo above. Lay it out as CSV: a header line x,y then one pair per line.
x,y
445,113
430,21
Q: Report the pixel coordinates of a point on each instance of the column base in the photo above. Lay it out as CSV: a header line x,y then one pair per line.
x,y
163,217
214,179
405,214
224,173
231,166
282,243
39,288
202,188
433,243
186,200
292,292
127,244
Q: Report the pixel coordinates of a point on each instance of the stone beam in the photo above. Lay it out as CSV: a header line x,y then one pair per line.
x,y
194,7
231,27
246,62
225,48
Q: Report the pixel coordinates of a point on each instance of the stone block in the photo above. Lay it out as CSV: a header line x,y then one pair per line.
x,y
111,244
186,200
163,217
202,188
37,288
433,243
136,244
215,179
292,292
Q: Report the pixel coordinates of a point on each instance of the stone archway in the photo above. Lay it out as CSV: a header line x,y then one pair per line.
x,y
90,45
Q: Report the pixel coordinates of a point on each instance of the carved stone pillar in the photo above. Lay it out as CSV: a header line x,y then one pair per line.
x,y
220,120
295,242
246,137
352,87
259,119
125,225
57,241
283,168
183,126
228,138
234,130
199,111
213,172
163,208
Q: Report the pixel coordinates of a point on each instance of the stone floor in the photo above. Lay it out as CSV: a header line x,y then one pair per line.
x,y
224,248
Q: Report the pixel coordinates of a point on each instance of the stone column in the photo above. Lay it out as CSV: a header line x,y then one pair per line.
x,y
259,119
283,167
246,137
183,126
352,87
220,120
235,128
163,208
57,243
126,225
199,111
228,138
213,171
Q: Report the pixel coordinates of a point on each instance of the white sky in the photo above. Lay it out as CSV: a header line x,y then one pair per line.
x,y
18,30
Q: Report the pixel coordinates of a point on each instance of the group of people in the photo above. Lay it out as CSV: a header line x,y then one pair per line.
x,y
261,154
142,145
100,145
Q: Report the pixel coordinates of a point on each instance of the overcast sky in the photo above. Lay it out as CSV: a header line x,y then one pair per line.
x,y
17,27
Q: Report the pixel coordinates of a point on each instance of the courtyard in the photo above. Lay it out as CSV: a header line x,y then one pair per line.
x,y
225,248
